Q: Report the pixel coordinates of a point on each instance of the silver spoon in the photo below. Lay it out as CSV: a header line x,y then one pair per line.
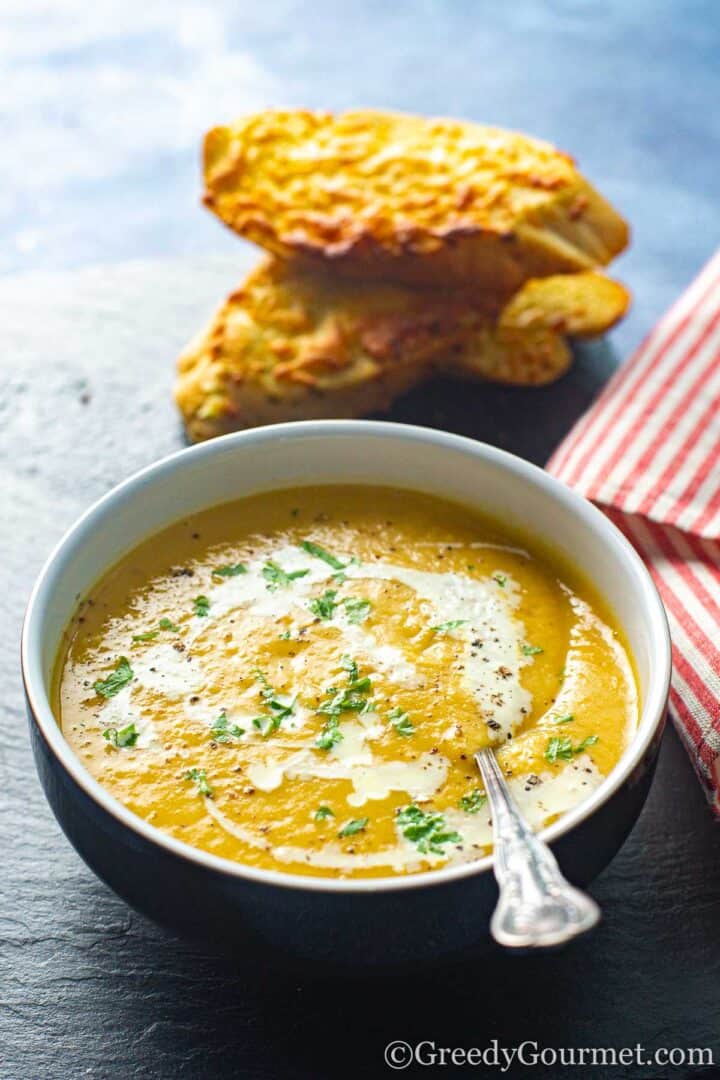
x,y
537,907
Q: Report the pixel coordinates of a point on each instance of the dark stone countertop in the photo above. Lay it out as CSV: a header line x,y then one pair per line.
x,y
89,987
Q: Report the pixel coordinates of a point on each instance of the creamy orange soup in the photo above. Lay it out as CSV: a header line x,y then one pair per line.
x,y
298,681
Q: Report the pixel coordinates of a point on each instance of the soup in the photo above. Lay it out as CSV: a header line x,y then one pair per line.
x,y
298,681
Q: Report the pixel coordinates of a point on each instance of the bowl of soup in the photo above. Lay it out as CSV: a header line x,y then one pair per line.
x,y
257,672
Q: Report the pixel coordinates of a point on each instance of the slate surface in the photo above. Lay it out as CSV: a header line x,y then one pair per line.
x,y
87,987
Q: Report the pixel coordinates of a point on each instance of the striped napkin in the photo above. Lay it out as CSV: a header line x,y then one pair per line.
x,y
648,453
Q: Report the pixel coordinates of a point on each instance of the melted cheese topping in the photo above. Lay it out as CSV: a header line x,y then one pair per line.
x,y
315,706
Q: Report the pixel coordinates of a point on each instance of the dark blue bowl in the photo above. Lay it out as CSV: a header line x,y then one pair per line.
x,y
375,923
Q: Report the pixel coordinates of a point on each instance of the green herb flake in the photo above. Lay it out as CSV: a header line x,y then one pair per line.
x,y
324,606
285,636
500,579
355,826
446,627
427,830
560,748
116,680
320,553
473,802
276,577
223,731
123,738
401,721
532,650
350,666
279,710
233,570
201,606
330,735
358,610
150,635
199,777
323,813
565,719
351,698
266,724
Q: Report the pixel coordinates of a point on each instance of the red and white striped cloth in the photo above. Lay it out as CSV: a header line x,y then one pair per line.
x,y
648,453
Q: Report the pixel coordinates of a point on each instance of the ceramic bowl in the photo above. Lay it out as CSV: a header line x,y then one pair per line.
x,y
361,923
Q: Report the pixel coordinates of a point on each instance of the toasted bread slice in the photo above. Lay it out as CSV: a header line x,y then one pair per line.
x,y
440,203
579,305
525,345
290,345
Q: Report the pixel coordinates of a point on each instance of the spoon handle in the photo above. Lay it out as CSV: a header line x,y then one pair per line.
x,y
537,907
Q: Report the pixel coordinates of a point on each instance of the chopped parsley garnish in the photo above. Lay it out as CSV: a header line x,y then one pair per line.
x,y
320,553
279,710
355,826
473,802
330,735
199,777
351,698
357,610
126,736
116,680
323,813
285,636
150,635
222,730
401,721
350,666
267,723
531,650
201,606
230,571
427,830
500,579
560,748
277,577
589,741
565,719
324,606
446,627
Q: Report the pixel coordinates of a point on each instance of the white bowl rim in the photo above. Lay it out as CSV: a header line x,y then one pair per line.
x,y
653,708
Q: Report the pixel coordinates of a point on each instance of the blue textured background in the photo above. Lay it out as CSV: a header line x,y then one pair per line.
x,y
103,104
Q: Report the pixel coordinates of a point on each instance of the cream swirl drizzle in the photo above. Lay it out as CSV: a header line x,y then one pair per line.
x,y
474,608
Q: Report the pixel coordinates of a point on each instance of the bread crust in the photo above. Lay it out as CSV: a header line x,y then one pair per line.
x,y
426,202
579,305
288,344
